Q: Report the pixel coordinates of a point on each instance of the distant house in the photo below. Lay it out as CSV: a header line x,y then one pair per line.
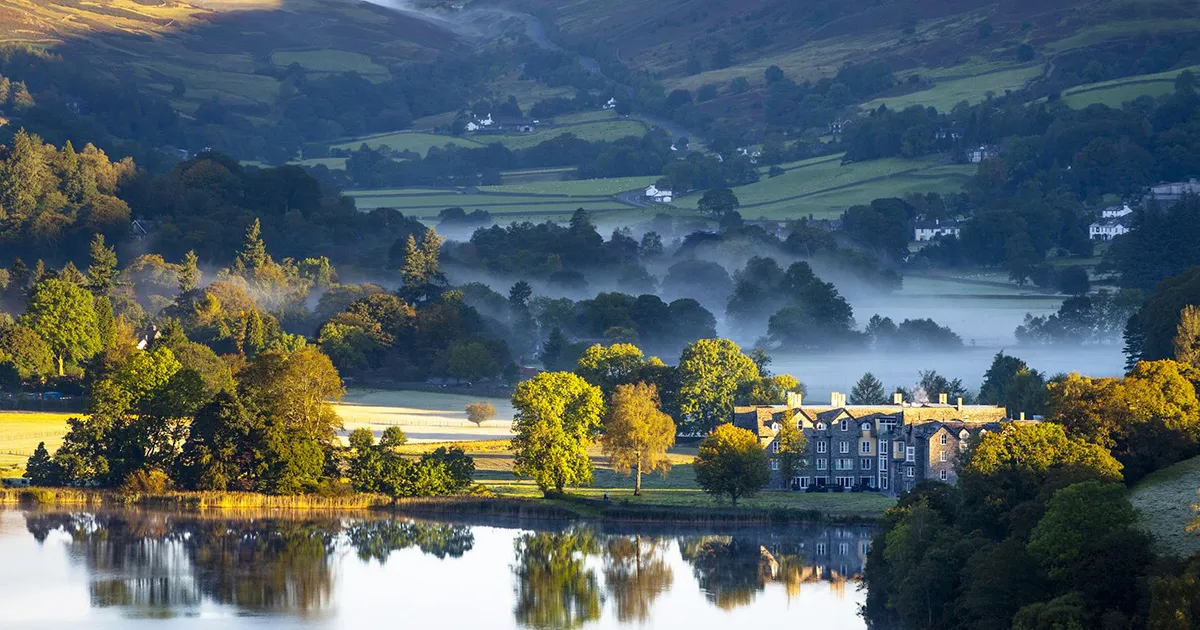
x,y
480,124
837,127
1174,191
948,134
983,152
519,124
751,153
611,104
1110,228
653,193
1116,212
140,228
929,230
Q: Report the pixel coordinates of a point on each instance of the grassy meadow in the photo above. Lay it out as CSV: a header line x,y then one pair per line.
x,y
20,432
944,94
1120,91
1165,500
424,416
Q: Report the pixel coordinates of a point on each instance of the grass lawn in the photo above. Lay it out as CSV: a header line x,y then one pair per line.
x,y
424,416
20,432
407,141
493,469
1165,500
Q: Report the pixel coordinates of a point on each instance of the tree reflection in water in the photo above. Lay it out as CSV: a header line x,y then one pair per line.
x,y
554,586
635,574
160,565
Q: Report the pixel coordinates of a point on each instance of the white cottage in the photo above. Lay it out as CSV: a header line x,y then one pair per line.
x,y
653,193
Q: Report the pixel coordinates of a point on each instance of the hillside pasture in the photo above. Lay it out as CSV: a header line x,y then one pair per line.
x,y
331,61
1117,92
418,142
1165,501
946,93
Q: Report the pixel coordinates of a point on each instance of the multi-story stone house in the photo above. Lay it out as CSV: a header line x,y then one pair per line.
x,y
888,448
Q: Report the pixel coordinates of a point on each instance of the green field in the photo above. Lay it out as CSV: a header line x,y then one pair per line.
x,y
1164,500
1120,91
947,93
424,416
577,188
825,188
407,141
332,61
20,432
593,128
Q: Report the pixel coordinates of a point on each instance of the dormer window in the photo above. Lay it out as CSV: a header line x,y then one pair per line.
x,y
820,426
945,439
866,426
845,425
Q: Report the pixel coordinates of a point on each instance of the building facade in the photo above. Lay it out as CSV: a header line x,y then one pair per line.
x,y
885,448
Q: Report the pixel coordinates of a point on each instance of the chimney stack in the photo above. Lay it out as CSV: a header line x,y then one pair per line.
x,y
897,398
837,399
959,404
795,400
943,399
1022,415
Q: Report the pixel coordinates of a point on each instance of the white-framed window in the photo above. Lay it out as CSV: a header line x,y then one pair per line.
x,y
944,475
822,447
910,453
774,464
910,472
822,549
820,426
883,462
864,447
866,426
899,447
845,425
867,482
802,482
883,482
865,547
945,439
843,548
865,463
883,447
845,482
775,447
822,463
843,447
944,456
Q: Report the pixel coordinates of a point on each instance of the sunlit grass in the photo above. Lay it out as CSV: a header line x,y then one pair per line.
x,y
20,432
1165,499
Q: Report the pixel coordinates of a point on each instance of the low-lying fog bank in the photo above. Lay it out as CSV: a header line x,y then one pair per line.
x,y
838,371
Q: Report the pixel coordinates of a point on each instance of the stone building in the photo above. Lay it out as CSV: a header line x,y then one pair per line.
x,y
887,448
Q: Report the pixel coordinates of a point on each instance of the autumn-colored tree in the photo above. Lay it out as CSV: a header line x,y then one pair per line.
x,y
790,448
731,463
637,433
1187,336
480,412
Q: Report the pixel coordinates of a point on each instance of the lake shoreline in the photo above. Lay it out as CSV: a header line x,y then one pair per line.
x,y
562,508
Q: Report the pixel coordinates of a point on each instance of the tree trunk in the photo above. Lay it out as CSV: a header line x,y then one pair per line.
x,y
637,484
60,366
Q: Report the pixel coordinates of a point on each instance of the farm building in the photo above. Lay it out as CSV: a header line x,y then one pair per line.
x,y
981,153
1110,228
1174,191
929,230
611,104
653,193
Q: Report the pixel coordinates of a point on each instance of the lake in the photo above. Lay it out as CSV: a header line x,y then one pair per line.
x,y
126,569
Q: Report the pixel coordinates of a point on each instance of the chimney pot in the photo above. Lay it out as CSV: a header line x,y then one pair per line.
x,y
897,398
959,405
943,399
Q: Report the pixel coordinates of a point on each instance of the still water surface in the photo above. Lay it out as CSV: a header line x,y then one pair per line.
x,y
132,569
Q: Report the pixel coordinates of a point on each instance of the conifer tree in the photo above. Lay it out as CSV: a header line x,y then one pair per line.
x,y
868,391
189,273
102,272
254,252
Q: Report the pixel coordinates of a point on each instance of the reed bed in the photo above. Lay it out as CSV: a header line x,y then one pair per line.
x,y
190,500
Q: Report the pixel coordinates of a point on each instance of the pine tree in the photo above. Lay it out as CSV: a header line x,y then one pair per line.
x,y
255,338
40,470
431,247
188,275
553,349
19,98
414,269
254,252
70,173
70,273
868,391
1187,336
106,323
25,176
102,272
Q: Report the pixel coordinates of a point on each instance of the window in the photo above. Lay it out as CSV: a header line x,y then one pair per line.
x,y
843,447
822,463
945,439
820,426
864,447
822,447
910,472
883,447
944,475
802,482
910,454
867,482
845,482
843,548
899,448
774,464
821,549
883,482
866,426
943,456
865,463
774,447
883,461
845,425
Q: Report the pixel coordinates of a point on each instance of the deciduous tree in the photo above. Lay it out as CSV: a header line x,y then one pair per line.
x,y
731,463
63,316
557,418
480,412
710,371
637,433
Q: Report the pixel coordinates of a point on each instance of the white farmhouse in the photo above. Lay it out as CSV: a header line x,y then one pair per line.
x,y
1116,212
611,104
653,193
929,230
1108,229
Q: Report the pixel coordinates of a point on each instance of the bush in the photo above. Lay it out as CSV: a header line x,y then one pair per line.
x,y
152,481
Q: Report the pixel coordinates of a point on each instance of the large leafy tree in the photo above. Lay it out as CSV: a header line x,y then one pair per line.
x,y
557,418
224,449
790,448
609,366
731,463
710,371
637,433
294,389
62,314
